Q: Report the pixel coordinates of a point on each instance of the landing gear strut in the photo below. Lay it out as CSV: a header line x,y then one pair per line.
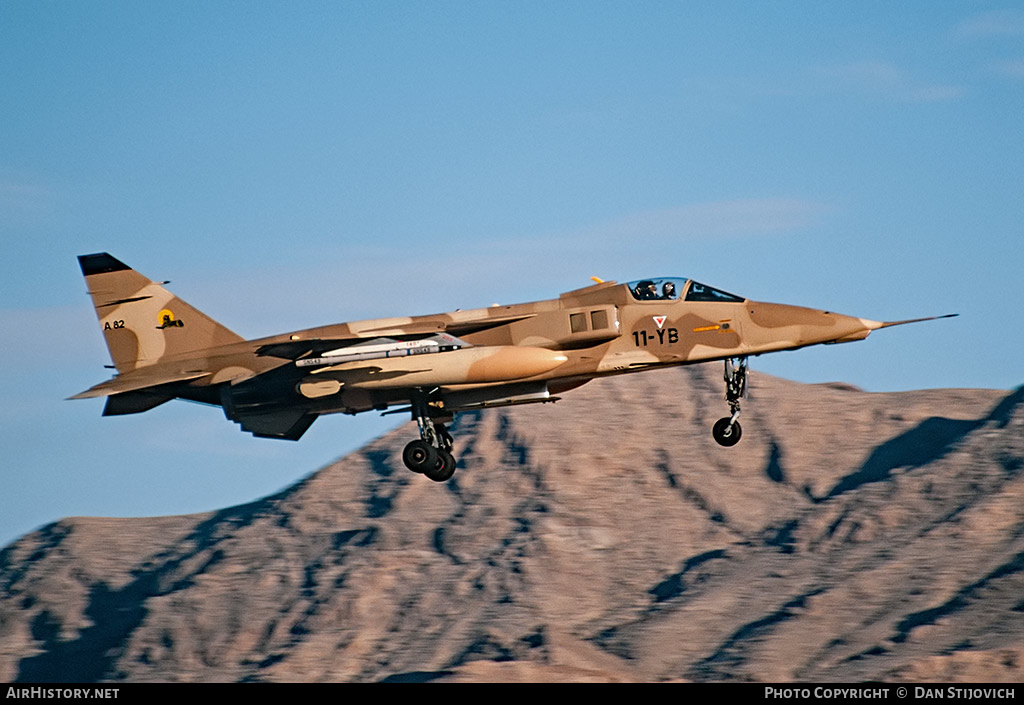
x,y
727,430
431,454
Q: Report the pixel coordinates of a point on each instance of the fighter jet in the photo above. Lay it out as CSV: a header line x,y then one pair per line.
x,y
435,366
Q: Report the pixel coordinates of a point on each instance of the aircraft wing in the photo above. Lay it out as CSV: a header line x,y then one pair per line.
x,y
444,325
419,330
481,324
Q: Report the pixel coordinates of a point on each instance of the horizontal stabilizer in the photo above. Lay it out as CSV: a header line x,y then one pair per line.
x,y
130,382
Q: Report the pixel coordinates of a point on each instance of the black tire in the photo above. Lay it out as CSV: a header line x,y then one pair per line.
x,y
443,469
725,434
419,456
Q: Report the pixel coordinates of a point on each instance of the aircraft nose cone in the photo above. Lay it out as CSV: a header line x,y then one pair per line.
x,y
798,326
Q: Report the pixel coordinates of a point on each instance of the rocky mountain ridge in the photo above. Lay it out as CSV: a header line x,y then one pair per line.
x,y
849,536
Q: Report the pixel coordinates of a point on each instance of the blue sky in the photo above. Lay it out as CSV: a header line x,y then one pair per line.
x,y
302,163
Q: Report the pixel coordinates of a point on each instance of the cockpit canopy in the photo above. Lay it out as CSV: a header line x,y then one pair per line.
x,y
674,288
662,289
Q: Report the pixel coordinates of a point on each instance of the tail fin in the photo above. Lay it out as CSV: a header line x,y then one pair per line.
x,y
142,322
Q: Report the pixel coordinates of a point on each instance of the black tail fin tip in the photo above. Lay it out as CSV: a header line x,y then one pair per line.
x,y
100,263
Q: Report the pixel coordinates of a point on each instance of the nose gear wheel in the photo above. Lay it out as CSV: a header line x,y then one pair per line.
x,y
727,430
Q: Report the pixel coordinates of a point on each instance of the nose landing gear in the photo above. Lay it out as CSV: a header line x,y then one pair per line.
x,y
727,430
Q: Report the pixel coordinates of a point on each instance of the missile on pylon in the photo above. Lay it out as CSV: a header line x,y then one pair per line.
x,y
385,348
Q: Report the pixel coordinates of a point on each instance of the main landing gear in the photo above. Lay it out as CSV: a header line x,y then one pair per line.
x,y
431,454
727,430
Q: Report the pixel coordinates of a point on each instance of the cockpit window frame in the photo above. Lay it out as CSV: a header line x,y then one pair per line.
x,y
709,294
638,289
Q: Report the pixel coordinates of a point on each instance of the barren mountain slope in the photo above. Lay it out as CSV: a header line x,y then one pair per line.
x,y
849,536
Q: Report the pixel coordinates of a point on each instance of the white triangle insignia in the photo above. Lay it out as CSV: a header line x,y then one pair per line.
x,y
659,320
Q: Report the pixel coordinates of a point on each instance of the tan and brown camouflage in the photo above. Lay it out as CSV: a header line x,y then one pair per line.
x,y
437,365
